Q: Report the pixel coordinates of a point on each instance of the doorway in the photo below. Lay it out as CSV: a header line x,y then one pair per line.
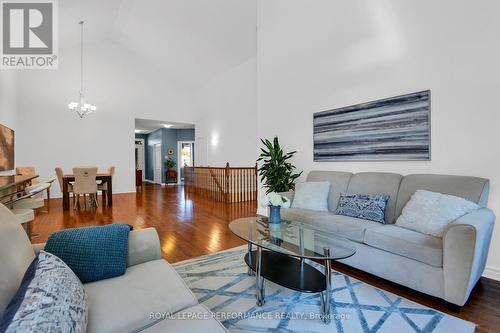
x,y
157,163
185,158
140,158
160,141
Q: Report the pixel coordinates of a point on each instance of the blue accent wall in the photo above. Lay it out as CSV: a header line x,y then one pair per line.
x,y
141,136
186,134
168,139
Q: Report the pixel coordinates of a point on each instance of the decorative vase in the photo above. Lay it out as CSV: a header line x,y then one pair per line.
x,y
275,233
274,214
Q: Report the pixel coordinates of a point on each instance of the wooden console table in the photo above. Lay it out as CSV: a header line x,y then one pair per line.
x,y
12,187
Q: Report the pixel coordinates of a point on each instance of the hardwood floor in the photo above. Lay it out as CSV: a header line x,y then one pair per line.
x,y
191,226
188,226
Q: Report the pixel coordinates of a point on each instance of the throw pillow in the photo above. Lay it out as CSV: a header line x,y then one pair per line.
x,y
311,195
430,212
363,206
93,253
50,299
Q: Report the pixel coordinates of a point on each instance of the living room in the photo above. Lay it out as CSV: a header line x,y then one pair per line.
x,y
243,70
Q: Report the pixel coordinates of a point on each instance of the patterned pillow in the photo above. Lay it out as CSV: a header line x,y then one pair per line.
x,y
363,206
50,299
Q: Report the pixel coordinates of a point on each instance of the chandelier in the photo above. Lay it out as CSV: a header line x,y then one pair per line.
x,y
80,107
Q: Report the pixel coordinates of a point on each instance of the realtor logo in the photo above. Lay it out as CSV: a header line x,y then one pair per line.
x,y
28,34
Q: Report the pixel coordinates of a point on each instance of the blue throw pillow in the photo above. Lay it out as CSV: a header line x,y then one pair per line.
x,y
50,299
363,206
93,253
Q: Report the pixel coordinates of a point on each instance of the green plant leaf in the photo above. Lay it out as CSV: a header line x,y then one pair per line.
x,y
276,173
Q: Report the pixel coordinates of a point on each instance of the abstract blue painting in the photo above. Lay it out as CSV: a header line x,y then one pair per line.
x,y
395,128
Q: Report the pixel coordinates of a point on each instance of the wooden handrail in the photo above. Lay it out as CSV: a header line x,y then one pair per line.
x,y
226,184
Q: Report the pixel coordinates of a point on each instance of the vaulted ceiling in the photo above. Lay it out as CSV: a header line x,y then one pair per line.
x,y
190,41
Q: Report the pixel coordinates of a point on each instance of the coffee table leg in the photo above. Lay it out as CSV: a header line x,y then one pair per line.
x,y
326,297
250,271
259,280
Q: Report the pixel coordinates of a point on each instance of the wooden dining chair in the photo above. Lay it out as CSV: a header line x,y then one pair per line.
x,y
103,187
85,183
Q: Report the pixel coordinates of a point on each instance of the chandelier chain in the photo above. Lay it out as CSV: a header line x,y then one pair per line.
x,y
81,107
81,55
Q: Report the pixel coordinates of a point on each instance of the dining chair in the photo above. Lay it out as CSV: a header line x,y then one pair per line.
x,y
85,183
103,187
31,201
23,206
25,217
27,171
60,175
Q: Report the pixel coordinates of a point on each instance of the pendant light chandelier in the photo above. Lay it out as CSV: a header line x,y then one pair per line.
x,y
80,107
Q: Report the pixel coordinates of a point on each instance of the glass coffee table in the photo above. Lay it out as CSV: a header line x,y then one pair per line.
x,y
280,253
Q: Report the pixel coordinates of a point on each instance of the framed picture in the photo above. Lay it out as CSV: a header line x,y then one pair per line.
x,y
395,128
170,151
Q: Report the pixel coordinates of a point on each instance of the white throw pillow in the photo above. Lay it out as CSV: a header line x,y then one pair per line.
x,y
430,212
311,195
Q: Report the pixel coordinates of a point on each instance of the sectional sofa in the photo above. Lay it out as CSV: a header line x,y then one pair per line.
x,y
135,302
447,267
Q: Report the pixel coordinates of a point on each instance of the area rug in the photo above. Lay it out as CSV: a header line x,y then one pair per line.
x,y
220,282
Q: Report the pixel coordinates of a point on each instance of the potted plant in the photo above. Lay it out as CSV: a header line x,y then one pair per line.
x,y
277,174
169,163
171,175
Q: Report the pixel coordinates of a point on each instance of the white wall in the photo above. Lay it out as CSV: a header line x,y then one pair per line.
x,y
137,65
121,85
226,118
8,105
318,55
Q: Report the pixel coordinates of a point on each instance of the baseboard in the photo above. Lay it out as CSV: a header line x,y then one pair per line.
x,y
117,191
492,273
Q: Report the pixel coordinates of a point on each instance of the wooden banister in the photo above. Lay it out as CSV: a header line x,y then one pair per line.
x,y
226,184
214,177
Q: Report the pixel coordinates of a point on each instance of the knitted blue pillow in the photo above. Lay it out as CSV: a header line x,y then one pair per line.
x,y
93,253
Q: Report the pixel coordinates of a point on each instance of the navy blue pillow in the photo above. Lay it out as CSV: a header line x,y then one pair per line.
x,y
363,206
93,253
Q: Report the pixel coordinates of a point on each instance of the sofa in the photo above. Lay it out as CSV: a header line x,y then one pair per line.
x,y
447,267
134,302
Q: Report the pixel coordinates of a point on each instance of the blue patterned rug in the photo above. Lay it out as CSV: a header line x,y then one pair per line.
x,y
221,283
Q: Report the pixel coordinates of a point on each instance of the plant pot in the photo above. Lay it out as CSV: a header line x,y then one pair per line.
x,y
170,176
274,214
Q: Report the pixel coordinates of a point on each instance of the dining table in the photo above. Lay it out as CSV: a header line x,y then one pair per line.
x,y
105,178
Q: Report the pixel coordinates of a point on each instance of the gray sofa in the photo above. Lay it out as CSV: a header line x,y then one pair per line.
x,y
122,304
447,267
